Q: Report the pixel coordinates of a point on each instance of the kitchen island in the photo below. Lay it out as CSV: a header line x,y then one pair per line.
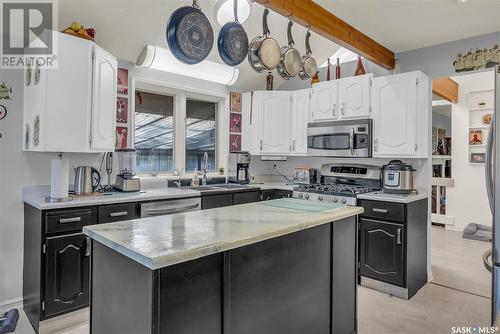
x,y
281,266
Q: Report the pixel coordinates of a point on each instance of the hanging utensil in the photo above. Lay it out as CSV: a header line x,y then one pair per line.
x,y
309,67
233,41
190,35
264,51
290,60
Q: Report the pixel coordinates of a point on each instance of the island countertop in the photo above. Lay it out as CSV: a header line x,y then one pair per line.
x,y
163,241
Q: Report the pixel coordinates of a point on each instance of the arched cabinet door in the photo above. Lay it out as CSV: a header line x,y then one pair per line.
x,y
382,251
67,273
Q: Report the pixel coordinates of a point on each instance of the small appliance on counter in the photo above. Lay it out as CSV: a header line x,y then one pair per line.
x,y
397,177
239,167
304,175
87,180
126,180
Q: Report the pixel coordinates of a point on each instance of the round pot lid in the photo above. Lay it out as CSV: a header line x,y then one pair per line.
x,y
397,165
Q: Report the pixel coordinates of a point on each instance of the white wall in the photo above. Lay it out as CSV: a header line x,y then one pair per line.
x,y
18,169
467,201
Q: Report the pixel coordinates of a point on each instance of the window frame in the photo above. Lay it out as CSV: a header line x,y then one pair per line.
x,y
180,95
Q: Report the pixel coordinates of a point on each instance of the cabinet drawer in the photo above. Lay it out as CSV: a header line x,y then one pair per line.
x,y
383,210
69,220
246,197
117,212
482,100
216,201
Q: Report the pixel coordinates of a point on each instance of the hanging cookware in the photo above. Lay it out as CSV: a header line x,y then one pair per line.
x,y
290,60
233,41
309,67
190,35
264,51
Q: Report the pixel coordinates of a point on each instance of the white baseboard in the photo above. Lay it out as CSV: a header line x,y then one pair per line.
x,y
12,303
429,276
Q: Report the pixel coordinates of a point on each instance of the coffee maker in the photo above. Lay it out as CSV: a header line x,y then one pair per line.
x,y
239,167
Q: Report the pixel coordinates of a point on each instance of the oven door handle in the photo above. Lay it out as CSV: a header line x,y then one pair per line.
x,y
171,210
351,141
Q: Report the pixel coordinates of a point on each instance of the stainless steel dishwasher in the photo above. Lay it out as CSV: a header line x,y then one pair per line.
x,y
169,207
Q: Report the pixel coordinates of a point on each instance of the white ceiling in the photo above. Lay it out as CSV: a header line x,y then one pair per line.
x,y
402,25
124,27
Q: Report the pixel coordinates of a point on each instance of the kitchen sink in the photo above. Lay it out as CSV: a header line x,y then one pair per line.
x,y
200,188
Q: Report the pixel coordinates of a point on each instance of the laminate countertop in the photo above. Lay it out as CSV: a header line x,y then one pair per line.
x,y
35,196
394,198
163,241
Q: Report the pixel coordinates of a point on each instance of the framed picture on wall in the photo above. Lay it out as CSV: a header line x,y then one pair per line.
x,y
476,137
234,143
121,137
477,158
235,123
121,110
235,102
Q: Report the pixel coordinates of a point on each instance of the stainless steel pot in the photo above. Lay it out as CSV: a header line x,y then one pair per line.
x,y
264,51
290,60
397,177
309,66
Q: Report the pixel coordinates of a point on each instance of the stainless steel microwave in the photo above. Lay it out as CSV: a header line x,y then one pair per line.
x,y
346,139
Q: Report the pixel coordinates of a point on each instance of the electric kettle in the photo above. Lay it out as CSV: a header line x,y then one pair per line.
x,y
87,179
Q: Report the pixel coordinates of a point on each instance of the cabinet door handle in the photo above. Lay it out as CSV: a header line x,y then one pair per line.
x,y
384,211
342,109
118,214
261,144
375,145
293,145
398,236
87,246
333,109
70,220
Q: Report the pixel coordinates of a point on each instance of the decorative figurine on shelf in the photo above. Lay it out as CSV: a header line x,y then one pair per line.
x,y
5,91
315,78
337,69
269,81
360,69
328,70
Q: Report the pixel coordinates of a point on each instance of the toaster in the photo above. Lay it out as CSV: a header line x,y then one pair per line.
x,y
303,175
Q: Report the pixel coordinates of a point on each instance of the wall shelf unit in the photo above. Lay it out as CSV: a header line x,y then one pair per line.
x,y
481,108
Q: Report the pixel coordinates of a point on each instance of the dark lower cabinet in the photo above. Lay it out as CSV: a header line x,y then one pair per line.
x,y
67,273
393,246
382,255
246,197
216,201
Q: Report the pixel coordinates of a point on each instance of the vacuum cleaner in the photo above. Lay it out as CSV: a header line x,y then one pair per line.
x,y
8,321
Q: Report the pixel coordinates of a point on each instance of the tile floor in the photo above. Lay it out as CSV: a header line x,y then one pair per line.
x,y
457,268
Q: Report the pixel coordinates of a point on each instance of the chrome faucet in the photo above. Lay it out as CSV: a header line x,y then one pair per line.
x,y
178,182
205,168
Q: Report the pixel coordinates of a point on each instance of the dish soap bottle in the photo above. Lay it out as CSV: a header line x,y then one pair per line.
x,y
195,181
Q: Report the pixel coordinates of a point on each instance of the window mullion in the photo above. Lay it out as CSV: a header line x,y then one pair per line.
x,y
179,131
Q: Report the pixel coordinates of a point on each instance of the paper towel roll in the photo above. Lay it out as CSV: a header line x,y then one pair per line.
x,y
59,178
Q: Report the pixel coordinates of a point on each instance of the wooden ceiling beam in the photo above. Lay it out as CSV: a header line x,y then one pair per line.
x,y
309,14
445,88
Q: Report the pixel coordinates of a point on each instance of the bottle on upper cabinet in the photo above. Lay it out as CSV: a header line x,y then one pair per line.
x,y
337,69
328,70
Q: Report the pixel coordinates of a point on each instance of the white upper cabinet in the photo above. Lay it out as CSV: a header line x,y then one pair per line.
x,y
274,122
301,101
354,96
103,123
324,101
400,115
341,99
72,108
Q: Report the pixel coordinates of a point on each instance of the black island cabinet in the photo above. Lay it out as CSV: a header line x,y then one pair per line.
x,y
303,282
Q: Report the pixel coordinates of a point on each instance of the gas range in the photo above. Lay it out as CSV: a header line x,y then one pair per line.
x,y
341,183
